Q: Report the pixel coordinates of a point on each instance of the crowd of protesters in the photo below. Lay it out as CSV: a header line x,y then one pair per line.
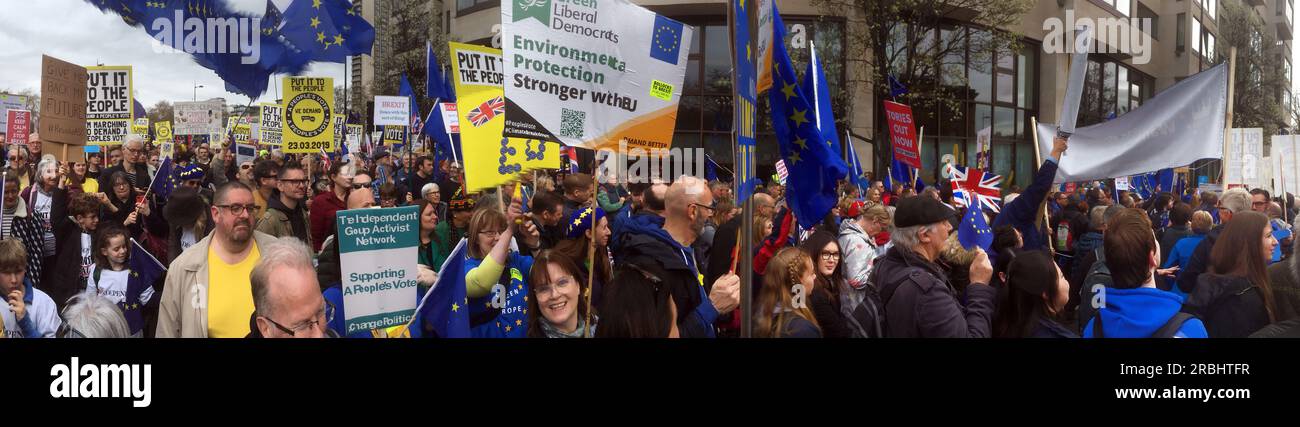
x,y
250,251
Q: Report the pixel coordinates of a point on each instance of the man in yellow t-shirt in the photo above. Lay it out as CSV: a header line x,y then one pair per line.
x,y
208,292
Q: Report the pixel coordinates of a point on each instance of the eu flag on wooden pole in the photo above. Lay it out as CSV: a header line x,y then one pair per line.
x,y
815,168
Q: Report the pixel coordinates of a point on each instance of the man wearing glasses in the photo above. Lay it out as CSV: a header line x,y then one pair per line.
x,y
265,176
287,299
134,165
285,215
206,293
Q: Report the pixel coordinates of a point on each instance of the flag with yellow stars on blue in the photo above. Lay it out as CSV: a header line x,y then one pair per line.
x,y
974,230
447,307
814,165
328,30
744,15
145,272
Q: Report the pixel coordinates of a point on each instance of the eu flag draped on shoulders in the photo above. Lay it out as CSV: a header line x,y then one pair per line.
x,y
814,167
145,271
446,307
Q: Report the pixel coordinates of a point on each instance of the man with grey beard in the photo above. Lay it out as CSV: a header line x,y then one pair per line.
x,y
207,292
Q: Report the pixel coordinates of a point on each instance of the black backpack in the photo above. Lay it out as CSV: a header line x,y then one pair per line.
x,y
868,319
1098,274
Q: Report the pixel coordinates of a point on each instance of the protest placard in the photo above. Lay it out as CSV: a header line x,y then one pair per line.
x,y
309,121
378,259
589,74
108,104
198,118
63,102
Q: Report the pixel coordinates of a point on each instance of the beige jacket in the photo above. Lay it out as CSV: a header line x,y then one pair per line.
x,y
183,309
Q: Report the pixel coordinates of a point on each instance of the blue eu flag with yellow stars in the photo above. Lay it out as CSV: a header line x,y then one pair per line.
x,y
145,271
328,30
666,41
446,308
814,165
164,180
974,230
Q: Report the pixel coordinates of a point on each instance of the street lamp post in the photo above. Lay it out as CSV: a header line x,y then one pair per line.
x,y
196,91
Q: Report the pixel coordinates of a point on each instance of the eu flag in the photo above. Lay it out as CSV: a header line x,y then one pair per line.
x,y
710,169
164,181
745,94
327,30
445,306
145,271
974,230
666,39
815,86
855,168
814,166
246,78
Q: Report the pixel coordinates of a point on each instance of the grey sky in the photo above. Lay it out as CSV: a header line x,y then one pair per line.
x,y
77,32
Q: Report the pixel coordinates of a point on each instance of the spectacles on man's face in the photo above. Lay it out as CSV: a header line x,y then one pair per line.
x,y
238,210
245,167
294,181
360,185
704,206
325,316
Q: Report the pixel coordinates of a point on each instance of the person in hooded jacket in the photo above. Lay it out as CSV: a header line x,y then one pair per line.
x,y
1134,307
857,239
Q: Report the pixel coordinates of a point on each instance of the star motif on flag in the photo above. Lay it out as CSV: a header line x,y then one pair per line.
x,y
788,90
352,11
315,22
519,322
338,39
455,307
507,328
799,117
315,4
320,37
794,159
803,144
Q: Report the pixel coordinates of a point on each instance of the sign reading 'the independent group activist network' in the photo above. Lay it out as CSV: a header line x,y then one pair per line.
x,y
377,253
108,105
590,73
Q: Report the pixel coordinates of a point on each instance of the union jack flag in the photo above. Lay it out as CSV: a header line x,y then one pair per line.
x,y
486,111
971,184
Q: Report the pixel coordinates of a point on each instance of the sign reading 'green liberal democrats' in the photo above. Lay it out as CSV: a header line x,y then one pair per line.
x,y
377,253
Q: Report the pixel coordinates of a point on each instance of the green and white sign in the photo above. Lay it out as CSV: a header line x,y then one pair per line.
x,y
592,73
378,253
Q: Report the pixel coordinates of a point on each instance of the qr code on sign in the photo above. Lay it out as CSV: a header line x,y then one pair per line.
x,y
572,123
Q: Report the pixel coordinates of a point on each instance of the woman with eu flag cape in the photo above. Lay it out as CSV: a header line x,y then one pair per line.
x,y
496,285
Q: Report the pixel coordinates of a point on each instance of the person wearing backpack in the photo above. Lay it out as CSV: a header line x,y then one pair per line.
x,y
1086,252
1131,306
918,300
1234,297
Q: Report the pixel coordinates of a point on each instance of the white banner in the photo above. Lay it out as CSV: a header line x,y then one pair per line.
x,y
1181,125
198,118
272,127
1285,153
592,73
392,111
1245,158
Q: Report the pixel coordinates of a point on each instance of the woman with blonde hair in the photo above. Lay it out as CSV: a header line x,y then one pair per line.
x,y
782,310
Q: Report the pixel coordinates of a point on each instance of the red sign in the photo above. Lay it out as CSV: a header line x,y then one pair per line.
x,y
1069,187
902,129
20,124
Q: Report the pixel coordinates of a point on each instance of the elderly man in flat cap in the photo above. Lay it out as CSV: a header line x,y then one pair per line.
x,y
918,300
